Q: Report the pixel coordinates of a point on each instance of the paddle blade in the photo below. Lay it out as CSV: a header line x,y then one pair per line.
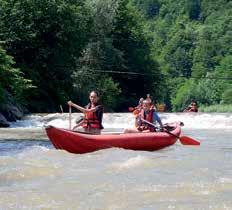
x,y
186,140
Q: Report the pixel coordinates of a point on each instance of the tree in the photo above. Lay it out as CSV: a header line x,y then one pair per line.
x,y
117,45
149,8
11,79
193,8
99,55
130,37
46,38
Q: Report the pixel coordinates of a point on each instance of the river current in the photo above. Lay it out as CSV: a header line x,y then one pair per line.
x,y
34,175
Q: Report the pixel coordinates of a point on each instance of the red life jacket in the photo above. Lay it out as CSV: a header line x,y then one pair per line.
x,y
91,120
149,118
193,109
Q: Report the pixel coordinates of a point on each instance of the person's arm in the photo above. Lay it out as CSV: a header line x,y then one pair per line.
x,y
157,118
78,125
188,108
138,121
82,109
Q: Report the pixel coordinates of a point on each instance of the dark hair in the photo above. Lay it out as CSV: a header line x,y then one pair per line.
x,y
94,91
193,101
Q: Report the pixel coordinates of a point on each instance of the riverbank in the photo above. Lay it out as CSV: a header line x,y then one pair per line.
x,y
218,108
10,110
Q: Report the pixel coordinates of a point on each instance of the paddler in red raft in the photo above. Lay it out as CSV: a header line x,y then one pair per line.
x,y
138,108
147,113
93,114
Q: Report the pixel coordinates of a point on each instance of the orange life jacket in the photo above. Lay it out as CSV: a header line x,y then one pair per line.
x,y
149,118
92,121
136,112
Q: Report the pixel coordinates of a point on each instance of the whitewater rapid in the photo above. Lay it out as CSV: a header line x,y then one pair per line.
x,y
34,175
125,120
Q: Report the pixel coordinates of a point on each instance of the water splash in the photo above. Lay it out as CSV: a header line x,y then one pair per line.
x,y
133,162
125,120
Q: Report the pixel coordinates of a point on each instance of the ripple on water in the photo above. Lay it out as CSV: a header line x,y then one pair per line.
x,y
35,175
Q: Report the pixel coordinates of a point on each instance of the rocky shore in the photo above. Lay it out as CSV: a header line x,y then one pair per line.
x,y
10,111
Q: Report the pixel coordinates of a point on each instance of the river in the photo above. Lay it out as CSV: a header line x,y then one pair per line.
x,y
34,175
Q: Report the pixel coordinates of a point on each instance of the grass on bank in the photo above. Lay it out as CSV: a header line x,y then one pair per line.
x,y
216,108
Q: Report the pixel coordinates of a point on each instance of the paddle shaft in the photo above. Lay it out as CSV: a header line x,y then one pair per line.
x,y
61,108
70,117
155,127
185,140
149,123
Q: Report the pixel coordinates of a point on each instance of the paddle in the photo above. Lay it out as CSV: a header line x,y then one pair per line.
x,y
70,117
61,108
185,140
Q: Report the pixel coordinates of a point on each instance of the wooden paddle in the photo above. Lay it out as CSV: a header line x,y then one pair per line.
x,y
70,117
185,140
61,108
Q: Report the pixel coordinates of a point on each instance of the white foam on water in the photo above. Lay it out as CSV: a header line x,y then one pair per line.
x,y
31,151
200,120
224,180
132,162
126,120
28,122
60,123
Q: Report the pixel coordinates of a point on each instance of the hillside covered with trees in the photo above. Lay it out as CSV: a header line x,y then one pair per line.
x,y
54,51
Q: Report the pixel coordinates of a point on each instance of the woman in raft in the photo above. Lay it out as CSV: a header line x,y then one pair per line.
x,y
93,114
146,113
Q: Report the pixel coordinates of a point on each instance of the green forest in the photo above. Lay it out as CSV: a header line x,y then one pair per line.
x,y
52,51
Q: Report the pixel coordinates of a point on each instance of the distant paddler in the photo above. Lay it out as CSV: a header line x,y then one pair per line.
x,y
193,107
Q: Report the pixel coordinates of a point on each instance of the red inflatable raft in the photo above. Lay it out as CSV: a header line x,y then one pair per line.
x,y
76,142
